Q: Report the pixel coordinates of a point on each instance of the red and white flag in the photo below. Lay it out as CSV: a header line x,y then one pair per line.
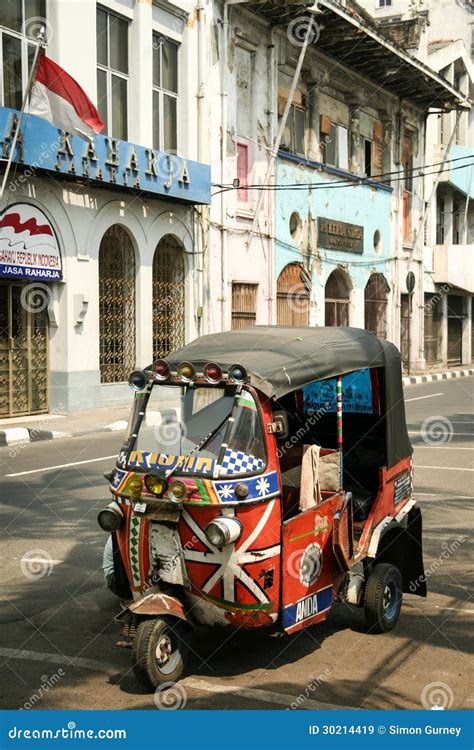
x,y
58,98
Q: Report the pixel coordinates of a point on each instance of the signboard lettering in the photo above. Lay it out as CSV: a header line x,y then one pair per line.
x,y
339,235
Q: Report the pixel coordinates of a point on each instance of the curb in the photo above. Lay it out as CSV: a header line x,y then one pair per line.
x,y
23,435
416,379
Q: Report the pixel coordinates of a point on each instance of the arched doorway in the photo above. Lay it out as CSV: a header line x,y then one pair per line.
x,y
293,296
337,294
116,305
376,301
168,297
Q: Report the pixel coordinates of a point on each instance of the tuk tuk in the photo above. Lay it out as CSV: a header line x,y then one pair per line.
x,y
266,473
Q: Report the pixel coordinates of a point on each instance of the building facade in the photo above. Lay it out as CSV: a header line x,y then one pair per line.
x,y
101,259
441,34
345,185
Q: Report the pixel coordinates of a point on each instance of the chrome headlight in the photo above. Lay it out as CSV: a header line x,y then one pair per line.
x,y
110,518
223,530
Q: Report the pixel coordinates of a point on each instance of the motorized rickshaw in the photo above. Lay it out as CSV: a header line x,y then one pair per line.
x,y
266,473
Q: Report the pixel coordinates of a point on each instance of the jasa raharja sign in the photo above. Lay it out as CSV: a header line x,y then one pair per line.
x,y
105,161
28,246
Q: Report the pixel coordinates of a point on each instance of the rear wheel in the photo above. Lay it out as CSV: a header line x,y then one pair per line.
x,y
383,598
158,653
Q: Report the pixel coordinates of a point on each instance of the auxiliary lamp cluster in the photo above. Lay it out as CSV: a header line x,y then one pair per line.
x,y
219,532
186,373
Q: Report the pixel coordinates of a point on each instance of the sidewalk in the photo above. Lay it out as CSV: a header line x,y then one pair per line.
x,y
114,418
51,426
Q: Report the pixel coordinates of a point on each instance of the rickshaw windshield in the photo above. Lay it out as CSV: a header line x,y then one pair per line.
x,y
181,421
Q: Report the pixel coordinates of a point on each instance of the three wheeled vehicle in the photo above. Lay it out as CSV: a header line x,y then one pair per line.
x,y
266,473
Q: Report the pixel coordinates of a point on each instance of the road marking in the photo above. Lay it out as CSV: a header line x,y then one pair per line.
x,y
267,696
456,609
60,466
436,494
29,560
418,398
69,661
443,468
446,447
453,434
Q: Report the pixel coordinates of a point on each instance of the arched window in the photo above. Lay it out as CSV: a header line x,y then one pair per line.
x,y
375,296
116,305
293,296
337,292
168,297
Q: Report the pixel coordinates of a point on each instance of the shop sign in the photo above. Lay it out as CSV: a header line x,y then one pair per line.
x,y
28,246
103,161
339,235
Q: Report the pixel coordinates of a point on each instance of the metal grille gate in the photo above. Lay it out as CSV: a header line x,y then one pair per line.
x,y
116,305
23,349
168,297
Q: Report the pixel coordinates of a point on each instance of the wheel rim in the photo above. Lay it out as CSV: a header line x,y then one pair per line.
x,y
167,654
390,601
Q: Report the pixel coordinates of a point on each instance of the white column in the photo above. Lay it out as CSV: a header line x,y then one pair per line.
x,y
71,36
466,330
443,344
140,105
357,308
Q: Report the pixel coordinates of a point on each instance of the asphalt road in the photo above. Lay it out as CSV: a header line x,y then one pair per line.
x,y
57,646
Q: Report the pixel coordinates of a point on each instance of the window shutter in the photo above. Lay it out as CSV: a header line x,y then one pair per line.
x,y
325,125
242,172
377,133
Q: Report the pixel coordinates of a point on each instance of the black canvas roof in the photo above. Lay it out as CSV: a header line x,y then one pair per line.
x,y
281,359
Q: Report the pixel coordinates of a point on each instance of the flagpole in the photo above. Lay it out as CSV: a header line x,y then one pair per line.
x,y
26,96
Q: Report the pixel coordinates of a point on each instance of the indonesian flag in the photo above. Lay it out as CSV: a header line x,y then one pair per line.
x,y
58,98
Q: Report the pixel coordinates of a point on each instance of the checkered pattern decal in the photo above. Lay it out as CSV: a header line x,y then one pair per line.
x,y
134,548
237,462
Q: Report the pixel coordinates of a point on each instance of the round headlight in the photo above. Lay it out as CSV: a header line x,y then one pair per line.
x,y
186,371
135,485
155,484
223,530
177,491
161,369
238,373
110,518
213,373
241,489
137,380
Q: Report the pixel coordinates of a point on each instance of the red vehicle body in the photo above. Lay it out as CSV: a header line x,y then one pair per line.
x,y
290,502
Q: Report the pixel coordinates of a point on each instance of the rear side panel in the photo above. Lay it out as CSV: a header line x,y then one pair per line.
x,y
310,572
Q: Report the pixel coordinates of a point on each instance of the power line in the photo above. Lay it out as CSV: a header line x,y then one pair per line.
x,y
352,181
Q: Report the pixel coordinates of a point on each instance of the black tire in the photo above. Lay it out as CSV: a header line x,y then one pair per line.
x,y
383,598
154,636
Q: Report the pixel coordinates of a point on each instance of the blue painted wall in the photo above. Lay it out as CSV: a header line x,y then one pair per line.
x,y
366,205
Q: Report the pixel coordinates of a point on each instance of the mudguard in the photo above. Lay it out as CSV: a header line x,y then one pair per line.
x,y
402,546
154,604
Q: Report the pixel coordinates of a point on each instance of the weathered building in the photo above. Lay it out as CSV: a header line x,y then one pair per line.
x,y
101,243
441,34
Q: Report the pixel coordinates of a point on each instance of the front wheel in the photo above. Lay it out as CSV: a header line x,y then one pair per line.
x,y
158,653
383,598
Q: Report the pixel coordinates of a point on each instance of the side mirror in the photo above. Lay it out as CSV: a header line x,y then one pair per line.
x,y
280,425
